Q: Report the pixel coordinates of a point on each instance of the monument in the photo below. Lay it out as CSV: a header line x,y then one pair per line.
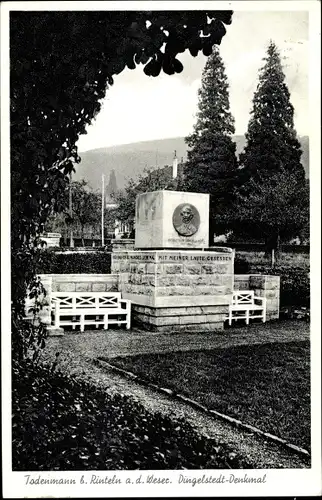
x,y
172,219
175,282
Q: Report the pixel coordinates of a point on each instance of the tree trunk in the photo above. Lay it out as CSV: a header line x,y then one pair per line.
x,y
82,236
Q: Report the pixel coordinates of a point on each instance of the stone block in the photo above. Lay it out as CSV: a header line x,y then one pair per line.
x,y
164,291
198,318
244,278
200,280
146,279
166,280
256,281
179,319
159,269
192,300
111,287
151,268
272,294
272,284
83,287
205,290
183,280
212,318
141,268
192,269
98,287
133,268
173,219
216,268
173,268
167,320
66,287
215,309
207,269
241,282
115,266
272,315
214,279
183,290
124,266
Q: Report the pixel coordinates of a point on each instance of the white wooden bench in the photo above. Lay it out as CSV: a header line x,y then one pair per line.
x,y
246,306
90,308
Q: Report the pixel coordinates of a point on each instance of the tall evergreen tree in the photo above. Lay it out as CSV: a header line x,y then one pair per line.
x,y
272,154
211,164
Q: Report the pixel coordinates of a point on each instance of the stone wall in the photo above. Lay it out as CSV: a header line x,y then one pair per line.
x,y
83,282
170,291
70,283
125,244
264,286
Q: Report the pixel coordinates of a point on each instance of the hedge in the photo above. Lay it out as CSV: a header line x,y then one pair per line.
x,y
51,262
295,281
64,423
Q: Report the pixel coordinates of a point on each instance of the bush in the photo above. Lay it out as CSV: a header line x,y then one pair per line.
x,y
74,263
63,423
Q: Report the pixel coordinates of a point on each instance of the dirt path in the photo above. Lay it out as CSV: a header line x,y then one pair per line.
x,y
78,352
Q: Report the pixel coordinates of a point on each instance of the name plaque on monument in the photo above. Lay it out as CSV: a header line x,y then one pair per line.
x,y
172,219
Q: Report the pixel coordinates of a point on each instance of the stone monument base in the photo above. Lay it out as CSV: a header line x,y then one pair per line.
x,y
176,290
179,319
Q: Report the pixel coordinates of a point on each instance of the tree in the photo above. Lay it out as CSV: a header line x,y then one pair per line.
x,y
86,206
61,66
212,164
84,210
280,205
112,184
270,165
149,180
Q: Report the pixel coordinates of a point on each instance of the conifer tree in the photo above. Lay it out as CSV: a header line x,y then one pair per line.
x,y
272,155
211,164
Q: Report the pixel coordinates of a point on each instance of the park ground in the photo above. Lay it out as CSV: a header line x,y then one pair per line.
x,y
277,391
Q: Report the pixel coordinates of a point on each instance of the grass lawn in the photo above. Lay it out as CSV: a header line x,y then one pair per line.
x,y
266,385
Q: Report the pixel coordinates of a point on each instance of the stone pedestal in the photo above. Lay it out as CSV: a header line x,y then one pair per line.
x,y
176,290
264,286
268,287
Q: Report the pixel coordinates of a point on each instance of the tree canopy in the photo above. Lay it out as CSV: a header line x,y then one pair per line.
x,y
271,141
212,164
273,201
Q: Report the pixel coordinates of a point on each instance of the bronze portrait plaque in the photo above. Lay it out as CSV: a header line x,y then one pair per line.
x,y
186,219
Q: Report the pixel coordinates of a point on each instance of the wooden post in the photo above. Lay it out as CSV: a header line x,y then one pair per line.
x,y
273,257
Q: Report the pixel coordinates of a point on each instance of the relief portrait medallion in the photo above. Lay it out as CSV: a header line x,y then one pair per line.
x,y
186,219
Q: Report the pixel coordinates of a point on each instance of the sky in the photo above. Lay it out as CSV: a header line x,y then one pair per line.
x,y
141,108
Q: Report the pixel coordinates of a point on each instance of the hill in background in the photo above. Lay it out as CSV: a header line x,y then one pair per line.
x,y
129,160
